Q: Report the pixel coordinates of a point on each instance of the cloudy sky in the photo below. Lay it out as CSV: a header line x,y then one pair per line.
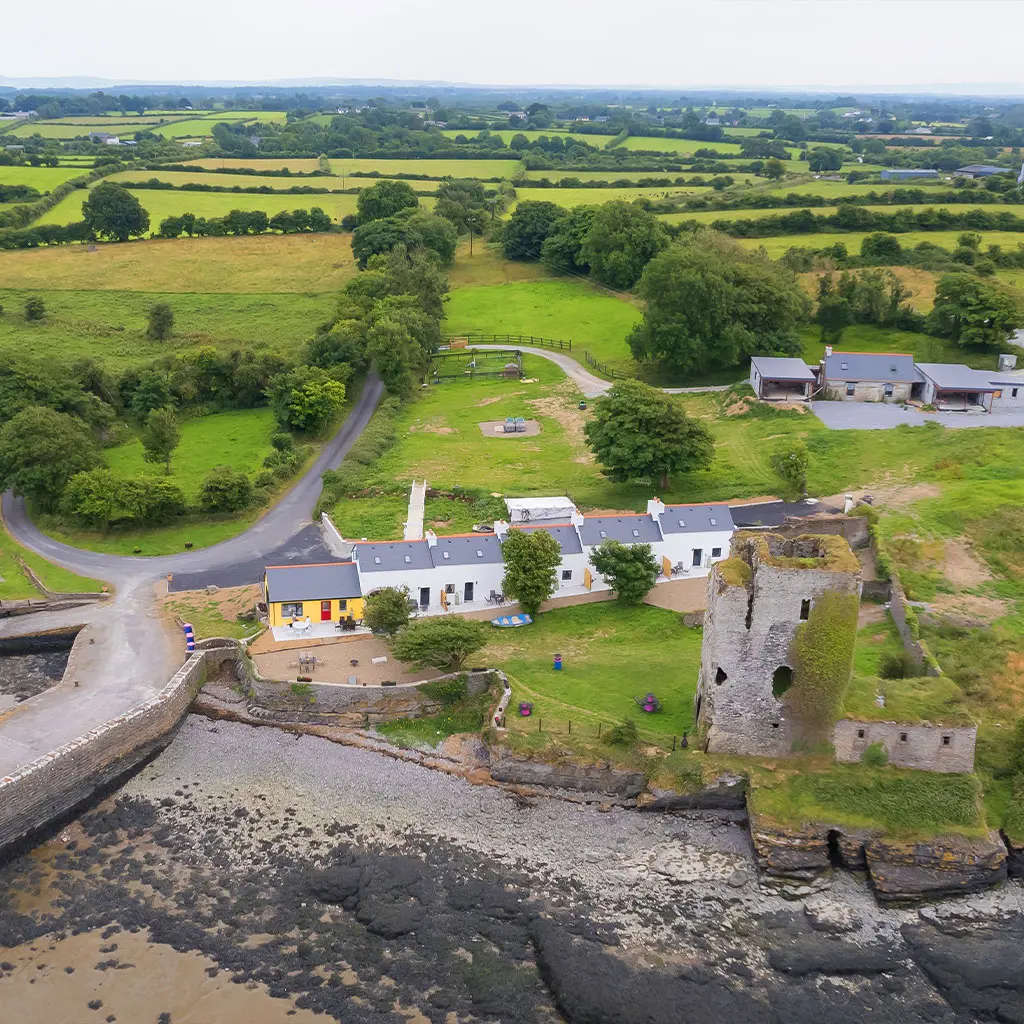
x,y
832,44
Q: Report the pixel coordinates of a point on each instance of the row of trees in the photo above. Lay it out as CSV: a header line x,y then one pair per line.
x,y
246,222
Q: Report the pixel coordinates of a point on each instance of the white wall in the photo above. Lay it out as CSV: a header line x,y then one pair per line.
x,y
679,547
1007,400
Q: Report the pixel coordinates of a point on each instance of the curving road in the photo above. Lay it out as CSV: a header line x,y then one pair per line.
x,y
127,652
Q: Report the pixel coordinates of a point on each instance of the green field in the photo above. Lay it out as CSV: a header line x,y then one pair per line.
x,y
193,128
567,310
42,178
110,326
508,134
612,174
611,653
708,216
690,146
291,163
569,197
435,168
161,204
48,130
15,583
239,439
837,189
250,181
776,246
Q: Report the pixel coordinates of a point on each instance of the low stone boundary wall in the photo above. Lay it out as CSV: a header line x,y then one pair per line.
x,y
53,784
907,626
928,748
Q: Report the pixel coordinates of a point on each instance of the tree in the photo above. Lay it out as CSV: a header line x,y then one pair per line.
x,y
711,305
823,158
386,611
160,437
161,322
306,398
224,490
879,247
638,431
790,460
622,240
35,308
111,211
562,250
629,569
773,168
377,237
532,558
443,642
41,450
974,312
395,354
530,223
833,314
385,199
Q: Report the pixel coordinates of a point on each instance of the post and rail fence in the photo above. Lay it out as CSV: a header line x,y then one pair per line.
x,y
510,339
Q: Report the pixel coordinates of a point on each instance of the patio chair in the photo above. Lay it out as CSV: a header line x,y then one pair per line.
x,y
492,597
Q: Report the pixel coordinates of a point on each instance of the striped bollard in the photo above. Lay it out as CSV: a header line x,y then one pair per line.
x,y
190,637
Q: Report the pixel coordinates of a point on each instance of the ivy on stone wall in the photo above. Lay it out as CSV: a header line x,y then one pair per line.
x,y
821,655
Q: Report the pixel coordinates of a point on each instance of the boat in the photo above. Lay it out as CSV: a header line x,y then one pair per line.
x,y
505,621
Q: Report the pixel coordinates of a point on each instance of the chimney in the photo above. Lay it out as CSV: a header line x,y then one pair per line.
x,y
828,351
576,518
655,507
500,529
431,538
847,504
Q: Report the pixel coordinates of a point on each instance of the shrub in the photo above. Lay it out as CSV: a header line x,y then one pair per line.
x,y
282,440
875,755
386,610
622,735
446,691
35,308
224,490
161,322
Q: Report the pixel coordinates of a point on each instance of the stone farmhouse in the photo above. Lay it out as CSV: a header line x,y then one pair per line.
x,y
886,377
465,572
758,599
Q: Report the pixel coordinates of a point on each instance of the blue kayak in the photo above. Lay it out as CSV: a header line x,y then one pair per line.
x,y
512,620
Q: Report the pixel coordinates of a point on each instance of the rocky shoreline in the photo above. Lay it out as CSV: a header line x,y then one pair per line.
x,y
332,879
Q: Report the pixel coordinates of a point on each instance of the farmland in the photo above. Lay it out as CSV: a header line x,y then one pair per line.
x,y
244,182
776,246
42,178
568,197
508,134
484,169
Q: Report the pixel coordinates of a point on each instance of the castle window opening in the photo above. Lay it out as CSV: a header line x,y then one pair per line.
x,y
720,676
782,680
946,740
860,734
805,608
903,737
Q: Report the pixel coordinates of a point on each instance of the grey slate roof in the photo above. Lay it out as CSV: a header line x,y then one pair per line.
x,y
566,535
313,582
384,556
639,529
856,366
782,368
696,519
983,169
957,377
478,549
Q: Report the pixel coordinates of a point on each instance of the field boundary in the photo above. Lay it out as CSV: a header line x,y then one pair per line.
x,y
477,338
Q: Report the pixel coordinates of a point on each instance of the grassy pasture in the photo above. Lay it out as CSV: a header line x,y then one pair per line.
x,y
435,168
15,583
110,326
508,134
689,146
291,163
162,204
56,130
43,178
567,310
569,197
609,175
249,264
776,246
838,189
248,181
708,216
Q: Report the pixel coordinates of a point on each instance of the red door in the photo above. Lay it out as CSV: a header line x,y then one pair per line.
x,y
325,611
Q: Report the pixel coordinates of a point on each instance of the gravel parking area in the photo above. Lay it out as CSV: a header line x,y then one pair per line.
x,y
878,416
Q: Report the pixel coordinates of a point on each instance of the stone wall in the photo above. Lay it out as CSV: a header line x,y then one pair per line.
x,y
52,785
929,748
867,391
854,528
585,778
903,615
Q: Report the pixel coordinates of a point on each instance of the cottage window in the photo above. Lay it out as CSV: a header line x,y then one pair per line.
x,y
1013,392
860,734
567,574
805,608
947,740
851,390
294,610
903,737
343,605
716,552
449,588
888,390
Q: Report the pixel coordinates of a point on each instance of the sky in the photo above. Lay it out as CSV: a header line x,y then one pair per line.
x,y
872,45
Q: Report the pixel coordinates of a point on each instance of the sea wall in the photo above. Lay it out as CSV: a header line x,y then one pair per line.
x,y
47,788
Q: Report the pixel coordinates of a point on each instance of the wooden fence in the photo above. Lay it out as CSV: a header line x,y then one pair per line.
x,y
511,339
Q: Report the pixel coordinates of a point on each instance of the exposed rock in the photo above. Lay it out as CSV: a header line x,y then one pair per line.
x,y
599,778
833,957
794,856
1015,858
826,915
947,866
727,792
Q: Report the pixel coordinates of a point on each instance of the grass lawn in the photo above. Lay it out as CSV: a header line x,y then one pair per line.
x,y
45,179
776,246
161,204
868,338
904,803
239,439
611,653
487,265
15,583
567,310
215,615
110,326
247,263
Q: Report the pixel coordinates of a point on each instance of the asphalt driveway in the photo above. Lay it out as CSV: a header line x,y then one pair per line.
x,y
879,416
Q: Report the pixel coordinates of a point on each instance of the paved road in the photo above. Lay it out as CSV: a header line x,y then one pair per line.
x,y
133,651
879,416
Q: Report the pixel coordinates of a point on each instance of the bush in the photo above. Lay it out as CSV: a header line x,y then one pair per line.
x,y
623,735
282,440
161,322
224,490
35,308
875,755
897,666
446,691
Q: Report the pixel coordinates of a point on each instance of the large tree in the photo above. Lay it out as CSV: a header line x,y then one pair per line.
x,y
711,305
442,641
111,211
562,250
385,199
629,569
974,313
41,450
623,238
160,437
527,228
386,611
639,431
306,398
532,558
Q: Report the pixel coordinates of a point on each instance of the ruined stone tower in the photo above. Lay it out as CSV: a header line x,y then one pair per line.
x,y
757,598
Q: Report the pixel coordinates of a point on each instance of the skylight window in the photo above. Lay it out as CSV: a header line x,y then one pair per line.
x,y
407,558
479,553
682,522
603,533
447,554
376,559
636,533
714,522
844,366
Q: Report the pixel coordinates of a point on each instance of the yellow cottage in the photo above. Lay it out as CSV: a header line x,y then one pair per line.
x,y
322,593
